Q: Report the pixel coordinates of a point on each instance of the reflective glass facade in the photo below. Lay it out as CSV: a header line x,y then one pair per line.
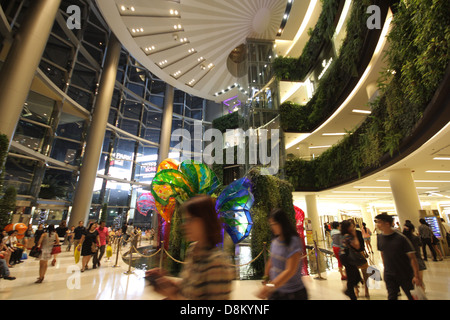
x,y
48,144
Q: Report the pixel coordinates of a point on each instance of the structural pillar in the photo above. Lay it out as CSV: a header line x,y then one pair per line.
x,y
23,60
163,153
313,215
406,199
166,124
88,171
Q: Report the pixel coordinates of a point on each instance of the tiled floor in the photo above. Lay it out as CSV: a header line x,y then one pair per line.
x,y
65,282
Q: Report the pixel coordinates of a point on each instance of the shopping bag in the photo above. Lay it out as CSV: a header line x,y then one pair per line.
x,y
77,253
35,252
108,251
418,293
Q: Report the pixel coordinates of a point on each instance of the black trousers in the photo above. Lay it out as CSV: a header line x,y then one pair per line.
x,y
98,255
427,242
394,283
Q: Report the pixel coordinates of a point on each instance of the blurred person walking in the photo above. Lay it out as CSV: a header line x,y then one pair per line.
x,y
426,235
350,242
336,243
409,232
283,276
207,273
46,242
366,233
103,235
401,269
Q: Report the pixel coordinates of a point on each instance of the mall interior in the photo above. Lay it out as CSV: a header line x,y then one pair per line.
x,y
96,94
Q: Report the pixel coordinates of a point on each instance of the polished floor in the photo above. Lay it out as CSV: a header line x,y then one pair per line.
x,y
109,282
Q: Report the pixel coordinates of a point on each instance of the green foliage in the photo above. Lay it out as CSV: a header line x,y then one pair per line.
x,y
304,118
417,59
104,213
7,206
228,121
296,69
270,193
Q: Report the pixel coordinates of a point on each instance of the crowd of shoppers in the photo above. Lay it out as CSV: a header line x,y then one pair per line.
x,y
207,273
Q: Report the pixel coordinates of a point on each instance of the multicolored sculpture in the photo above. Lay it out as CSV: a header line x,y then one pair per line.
x,y
233,205
145,203
192,178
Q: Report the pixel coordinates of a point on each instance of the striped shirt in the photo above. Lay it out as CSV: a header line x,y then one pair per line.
x,y
279,253
207,274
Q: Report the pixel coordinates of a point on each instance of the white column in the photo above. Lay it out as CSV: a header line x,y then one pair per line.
x,y
313,214
406,199
88,171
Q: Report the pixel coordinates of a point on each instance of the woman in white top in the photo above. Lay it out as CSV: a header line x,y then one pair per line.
x,y
46,243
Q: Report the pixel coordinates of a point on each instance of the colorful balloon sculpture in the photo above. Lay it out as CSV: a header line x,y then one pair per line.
x,y
233,205
192,178
145,203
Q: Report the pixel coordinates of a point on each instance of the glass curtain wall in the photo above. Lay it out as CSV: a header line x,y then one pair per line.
x,y
56,127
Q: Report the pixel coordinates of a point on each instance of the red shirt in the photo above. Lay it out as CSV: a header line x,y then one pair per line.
x,y
103,235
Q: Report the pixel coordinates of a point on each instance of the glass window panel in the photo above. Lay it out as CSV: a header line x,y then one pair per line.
x,y
178,96
136,75
130,126
95,36
29,135
83,98
136,88
94,52
57,76
38,108
153,119
116,98
158,87
68,128
58,52
65,151
157,100
197,114
84,77
151,135
131,109
19,173
112,116
178,108
57,184
117,194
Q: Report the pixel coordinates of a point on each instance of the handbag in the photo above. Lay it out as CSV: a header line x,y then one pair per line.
x,y
353,257
35,252
56,249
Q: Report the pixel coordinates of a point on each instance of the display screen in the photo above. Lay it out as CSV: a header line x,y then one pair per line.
x,y
434,225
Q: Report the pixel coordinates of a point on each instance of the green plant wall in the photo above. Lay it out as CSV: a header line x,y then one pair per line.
x,y
417,59
270,193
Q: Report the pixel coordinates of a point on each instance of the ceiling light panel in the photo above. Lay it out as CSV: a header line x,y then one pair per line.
x,y
162,9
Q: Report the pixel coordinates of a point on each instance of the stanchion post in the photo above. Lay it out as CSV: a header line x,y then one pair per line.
x,y
316,249
161,255
130,259
117,254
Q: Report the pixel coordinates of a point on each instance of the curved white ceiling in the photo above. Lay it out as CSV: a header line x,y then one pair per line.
x,y
186,43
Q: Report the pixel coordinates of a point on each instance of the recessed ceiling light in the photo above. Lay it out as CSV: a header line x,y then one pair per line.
x,y
438,171
319,147
132,8
334,134
441,158
123,8
361,111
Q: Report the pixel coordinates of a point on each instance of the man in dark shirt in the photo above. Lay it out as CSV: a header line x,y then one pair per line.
x,y
79,231
401,269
